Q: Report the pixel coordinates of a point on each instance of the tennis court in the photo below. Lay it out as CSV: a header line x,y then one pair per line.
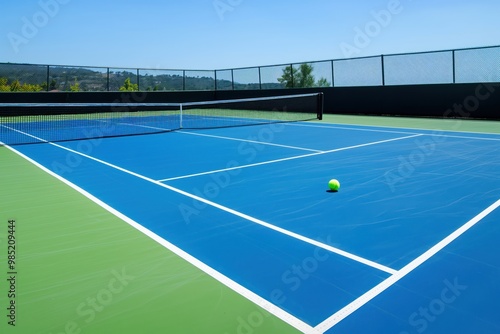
x,y
233,229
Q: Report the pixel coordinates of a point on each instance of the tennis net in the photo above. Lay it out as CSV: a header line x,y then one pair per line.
x,y
27,123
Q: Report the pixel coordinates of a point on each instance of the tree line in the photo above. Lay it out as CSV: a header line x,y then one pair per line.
x,y
16,86
292,77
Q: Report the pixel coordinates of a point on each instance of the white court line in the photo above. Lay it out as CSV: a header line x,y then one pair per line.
x,y
346,311
377,290
137,125
287,159
222,137
231,211
432,132
256,299
335,126
249,141
462,137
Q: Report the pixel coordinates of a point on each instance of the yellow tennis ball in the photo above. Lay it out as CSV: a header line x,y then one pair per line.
x,y
334,184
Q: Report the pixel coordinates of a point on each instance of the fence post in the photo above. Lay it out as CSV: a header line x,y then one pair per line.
x,y
138,82
291,75
48,77
383,69
232,79
183,79
260,79
333,75
453,65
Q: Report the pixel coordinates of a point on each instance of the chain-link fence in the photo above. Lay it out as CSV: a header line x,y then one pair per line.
x,y
437,67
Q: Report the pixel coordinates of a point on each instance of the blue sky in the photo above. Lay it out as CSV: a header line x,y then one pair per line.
x,y
220,34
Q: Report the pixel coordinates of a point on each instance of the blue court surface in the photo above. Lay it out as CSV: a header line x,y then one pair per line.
x,y
409,244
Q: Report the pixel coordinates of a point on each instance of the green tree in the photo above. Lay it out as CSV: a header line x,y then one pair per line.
x,y
322,82
30,88
304,77
15,86
288,76
301,77
75,87
4,86
53,84
128,86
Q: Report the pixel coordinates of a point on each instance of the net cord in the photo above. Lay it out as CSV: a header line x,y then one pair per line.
x,y
132,104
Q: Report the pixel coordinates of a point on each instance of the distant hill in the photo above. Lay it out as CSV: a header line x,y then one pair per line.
x,y
62,78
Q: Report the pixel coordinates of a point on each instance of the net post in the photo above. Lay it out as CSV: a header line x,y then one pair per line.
x,y
320,106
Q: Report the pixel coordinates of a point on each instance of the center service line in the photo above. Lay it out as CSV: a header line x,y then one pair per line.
x,y
289,158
